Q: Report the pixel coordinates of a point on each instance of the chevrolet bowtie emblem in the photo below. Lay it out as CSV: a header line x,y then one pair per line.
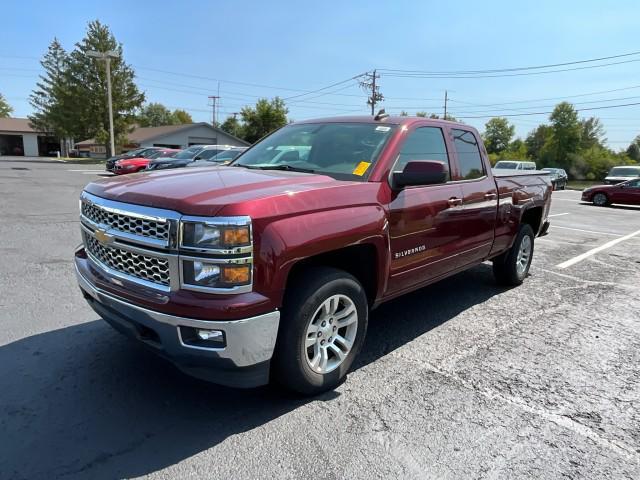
x,y
103,237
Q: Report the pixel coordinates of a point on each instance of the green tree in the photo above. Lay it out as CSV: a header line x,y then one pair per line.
x,y
182,117
565,135
498,134
536,140
633,151
86,87
592,133
232,126
262,119
421,114
404,114
5,108
155,115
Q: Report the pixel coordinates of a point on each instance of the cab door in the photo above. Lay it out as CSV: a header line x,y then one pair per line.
x,y
479,198
628,193
425,223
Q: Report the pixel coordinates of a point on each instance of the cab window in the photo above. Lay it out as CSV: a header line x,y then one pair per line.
x,y
424,143
469,159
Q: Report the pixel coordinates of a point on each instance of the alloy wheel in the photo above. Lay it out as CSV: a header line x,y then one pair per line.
x,y
331,334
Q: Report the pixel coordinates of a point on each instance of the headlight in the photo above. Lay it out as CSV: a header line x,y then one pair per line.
x,y
209,235
208,274
227,244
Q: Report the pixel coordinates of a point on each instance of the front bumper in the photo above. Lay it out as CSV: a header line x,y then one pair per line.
x,y
243,362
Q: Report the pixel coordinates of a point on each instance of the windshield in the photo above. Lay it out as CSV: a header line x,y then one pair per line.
x,y
187,153
207,154
225,156
625,172
136,152
510,165
345,151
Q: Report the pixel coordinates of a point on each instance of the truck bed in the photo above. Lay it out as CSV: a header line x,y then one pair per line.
x,y
503,172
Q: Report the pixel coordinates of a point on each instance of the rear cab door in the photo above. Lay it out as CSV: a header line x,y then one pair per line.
x,y
479,195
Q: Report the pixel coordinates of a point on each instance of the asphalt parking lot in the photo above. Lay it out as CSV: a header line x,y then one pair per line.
x,y
462,379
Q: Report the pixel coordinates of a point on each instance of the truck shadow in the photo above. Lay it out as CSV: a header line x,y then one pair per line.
x,y
83,401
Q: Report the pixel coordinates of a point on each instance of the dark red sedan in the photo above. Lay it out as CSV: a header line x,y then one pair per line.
x,y
603,195
137,164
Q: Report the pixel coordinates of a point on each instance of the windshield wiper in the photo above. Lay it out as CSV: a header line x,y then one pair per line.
x,y
279,166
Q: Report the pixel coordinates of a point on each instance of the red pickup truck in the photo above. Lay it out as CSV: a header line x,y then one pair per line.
x,y
268,268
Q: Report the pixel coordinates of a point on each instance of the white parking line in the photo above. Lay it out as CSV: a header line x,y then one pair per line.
x,y
558,214
586,231
593,251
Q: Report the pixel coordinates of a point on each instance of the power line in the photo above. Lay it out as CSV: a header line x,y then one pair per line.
x,y
551,106
325,88
512,69
500,75
547,98
548,113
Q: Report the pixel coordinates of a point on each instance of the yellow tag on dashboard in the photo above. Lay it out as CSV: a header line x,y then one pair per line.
x,y
361,169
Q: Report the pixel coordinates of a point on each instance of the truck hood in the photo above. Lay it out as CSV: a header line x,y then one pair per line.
x,y
205,191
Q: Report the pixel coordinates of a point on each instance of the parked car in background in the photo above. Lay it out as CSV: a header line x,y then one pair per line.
x,y
184,158
621,174
515,165
137,153
268,269
221,158
136,164
558,176
604,195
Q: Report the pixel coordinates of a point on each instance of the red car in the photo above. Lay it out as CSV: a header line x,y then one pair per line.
x,y
136,164
604,195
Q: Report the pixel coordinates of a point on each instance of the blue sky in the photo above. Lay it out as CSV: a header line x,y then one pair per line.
x,y
292,46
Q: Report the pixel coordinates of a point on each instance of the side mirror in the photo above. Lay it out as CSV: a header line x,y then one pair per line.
x,y
420,172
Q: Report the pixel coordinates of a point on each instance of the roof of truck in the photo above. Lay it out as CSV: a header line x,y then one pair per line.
x,y
390,120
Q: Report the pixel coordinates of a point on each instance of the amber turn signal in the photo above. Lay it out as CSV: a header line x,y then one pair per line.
x,y
236,236
236,274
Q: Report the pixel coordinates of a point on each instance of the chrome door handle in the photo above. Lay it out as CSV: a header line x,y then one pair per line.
x,y
454,202
490,196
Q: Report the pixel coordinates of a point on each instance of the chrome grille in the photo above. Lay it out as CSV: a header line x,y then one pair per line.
x,y
125,223
148,268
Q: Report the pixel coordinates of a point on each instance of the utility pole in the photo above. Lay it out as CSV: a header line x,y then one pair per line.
x,y
446,98
213,98
369,85
107,56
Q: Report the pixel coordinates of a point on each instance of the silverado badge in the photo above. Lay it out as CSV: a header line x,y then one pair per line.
x,y
411,251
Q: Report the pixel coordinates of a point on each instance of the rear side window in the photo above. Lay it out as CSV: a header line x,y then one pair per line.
x,y
469,158
424,143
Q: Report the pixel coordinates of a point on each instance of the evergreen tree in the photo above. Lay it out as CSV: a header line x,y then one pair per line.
x,y
5,108
48,99
87,88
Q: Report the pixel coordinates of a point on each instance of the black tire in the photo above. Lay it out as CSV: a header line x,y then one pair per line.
x,y
505,266
600,199
291,368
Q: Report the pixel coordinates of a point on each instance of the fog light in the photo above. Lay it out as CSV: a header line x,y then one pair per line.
x,y
209,334
202,338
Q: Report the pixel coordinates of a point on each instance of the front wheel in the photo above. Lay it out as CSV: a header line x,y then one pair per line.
x,y
323,325
511,267
600,200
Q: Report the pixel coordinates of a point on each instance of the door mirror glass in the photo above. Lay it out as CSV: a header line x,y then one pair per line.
x,y
420,172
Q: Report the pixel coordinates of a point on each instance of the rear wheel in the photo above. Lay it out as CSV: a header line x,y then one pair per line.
x,y
600,200
324,322
512,267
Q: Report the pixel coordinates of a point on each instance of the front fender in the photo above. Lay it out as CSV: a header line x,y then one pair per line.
x,y
284,242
